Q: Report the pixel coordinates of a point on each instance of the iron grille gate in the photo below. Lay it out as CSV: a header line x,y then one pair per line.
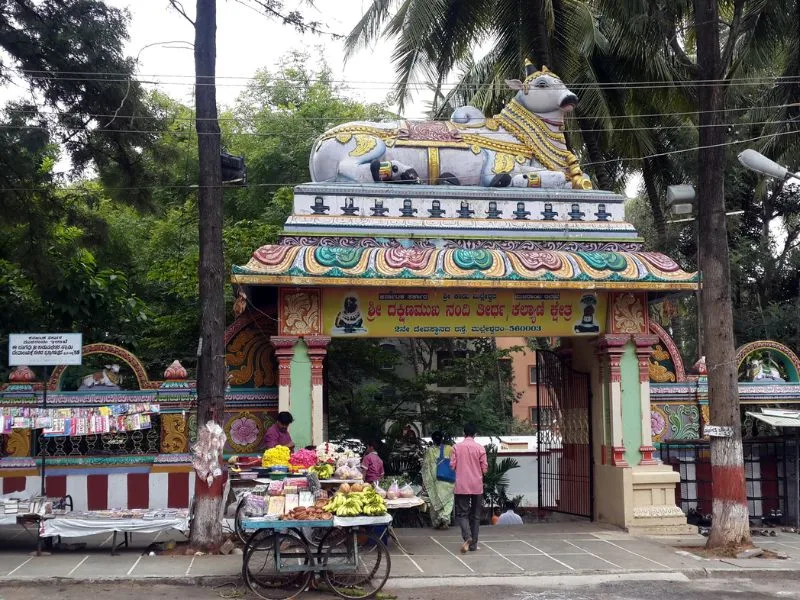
x,y
564,434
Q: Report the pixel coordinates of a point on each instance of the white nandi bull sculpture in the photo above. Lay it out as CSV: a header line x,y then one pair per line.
x,y
523,146
108,377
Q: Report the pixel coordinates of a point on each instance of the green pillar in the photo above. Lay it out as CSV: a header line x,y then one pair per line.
x,y
631,404
300,395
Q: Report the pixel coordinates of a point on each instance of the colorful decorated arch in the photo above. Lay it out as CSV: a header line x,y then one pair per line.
x,y
666,364
130,359
778,352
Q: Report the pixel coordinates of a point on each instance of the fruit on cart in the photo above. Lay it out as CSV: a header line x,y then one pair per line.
x,y
357,503
276,457
345,488
356,487
323,471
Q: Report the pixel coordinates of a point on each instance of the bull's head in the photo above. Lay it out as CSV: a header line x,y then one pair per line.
x,y
543,92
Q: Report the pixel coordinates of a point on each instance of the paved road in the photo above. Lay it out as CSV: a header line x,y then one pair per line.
x,y
707,589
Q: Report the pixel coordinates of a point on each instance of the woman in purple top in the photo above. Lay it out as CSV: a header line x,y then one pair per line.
x,y
278,434
371,464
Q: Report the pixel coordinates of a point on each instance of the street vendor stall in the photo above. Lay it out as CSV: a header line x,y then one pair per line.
x,y
280,562
294,529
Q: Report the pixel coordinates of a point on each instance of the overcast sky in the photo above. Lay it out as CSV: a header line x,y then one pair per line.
x,y
248,41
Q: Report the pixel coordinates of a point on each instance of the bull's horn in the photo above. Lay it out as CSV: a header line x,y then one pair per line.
x,y
530,68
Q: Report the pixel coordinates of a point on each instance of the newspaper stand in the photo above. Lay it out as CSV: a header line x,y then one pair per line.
x,y
280,561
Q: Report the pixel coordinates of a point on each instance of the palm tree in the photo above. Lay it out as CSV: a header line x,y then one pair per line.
x,y
437,38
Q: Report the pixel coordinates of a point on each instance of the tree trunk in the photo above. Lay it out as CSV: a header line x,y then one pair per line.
x,y
541,37
659,223
730,518
206,527
591,139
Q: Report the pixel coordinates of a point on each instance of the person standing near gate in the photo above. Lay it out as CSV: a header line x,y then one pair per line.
x,y
469,462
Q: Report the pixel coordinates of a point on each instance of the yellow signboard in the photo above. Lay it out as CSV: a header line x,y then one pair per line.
x,y
370,312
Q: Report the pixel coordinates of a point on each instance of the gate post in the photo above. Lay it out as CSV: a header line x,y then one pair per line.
x,y
610,350
639,491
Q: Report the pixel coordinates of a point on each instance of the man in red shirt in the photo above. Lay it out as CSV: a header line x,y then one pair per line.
x,y
372,465
278,434
469,462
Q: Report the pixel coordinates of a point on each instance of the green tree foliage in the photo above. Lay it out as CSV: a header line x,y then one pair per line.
x,y
121,265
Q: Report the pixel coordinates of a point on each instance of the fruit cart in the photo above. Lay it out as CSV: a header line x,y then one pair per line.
x,y
280,561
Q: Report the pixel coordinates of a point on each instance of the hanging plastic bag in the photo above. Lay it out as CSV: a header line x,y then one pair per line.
x,y
393,492
379,490
406,491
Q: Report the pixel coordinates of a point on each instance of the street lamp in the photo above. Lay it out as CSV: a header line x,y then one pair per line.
x,y
680,199
755,161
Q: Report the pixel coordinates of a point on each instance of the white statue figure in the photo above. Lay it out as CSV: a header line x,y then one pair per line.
x,y
108,377
523,146
763,370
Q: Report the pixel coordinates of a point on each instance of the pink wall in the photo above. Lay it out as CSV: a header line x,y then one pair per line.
x,y
524,386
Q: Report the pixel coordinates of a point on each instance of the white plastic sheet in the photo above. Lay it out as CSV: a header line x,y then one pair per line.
x,y
69,528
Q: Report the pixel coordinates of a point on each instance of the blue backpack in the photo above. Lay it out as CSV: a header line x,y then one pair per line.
x,y
444,472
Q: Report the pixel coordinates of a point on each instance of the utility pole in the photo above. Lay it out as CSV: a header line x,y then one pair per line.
x,y
206,527
730,517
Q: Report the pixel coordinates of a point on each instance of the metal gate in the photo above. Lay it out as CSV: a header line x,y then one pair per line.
x,y
564,436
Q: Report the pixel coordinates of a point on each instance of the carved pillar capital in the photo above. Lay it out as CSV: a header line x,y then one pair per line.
x,y
317,350
284,351
644,349
317,343
612,347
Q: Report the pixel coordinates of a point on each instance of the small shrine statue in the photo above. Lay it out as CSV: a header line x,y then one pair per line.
x,y
763,370
109,377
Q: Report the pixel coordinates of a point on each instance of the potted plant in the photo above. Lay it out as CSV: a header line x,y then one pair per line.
x,y
495,482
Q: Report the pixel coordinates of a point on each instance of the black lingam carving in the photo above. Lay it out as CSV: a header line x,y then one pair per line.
x,y
348,208
521,214
548,213
379,210
575,214
408,209
319,207
493,213
464,212
436,209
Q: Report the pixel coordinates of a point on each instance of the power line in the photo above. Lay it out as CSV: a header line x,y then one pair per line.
x,y
424,86
123,77
277,133
290,184
173,119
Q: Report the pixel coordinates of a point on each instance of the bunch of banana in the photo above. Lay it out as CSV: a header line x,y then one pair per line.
x,y
323,471
335,503
357,503
352,507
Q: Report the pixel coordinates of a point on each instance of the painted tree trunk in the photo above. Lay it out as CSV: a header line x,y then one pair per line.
x,y
730,519
207,534
206,529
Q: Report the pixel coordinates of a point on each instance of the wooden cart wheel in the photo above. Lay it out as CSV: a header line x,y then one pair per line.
x,y
357,566
266,559
328,537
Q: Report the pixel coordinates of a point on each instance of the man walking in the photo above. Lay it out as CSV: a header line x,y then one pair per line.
x,y
469,462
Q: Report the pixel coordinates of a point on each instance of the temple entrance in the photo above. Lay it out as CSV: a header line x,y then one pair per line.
x,y
564,426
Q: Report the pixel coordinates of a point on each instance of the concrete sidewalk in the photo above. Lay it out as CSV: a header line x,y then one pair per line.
x,y
568,550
